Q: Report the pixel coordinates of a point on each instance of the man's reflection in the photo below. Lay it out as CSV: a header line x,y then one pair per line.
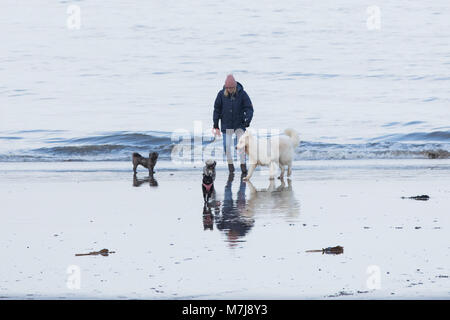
x,y
234,221
235,218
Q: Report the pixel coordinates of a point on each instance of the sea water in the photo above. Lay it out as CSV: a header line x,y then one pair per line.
x,y
95,80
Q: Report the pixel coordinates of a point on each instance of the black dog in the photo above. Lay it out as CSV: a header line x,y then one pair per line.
x,y
209,175
148,163
207,187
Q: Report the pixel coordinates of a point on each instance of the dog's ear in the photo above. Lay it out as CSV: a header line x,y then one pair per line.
x,y
153,155
214,164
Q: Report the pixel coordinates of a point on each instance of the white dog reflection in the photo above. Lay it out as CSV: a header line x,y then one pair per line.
x,y
279,200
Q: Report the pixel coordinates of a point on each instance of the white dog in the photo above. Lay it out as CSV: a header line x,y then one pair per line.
x,y
278,150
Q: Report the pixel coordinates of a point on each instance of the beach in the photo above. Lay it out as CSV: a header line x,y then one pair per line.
x,y
250,243
88,83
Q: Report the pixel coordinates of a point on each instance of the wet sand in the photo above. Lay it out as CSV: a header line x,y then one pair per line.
x,y
250,242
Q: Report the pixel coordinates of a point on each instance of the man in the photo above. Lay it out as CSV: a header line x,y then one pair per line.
x,y
234,108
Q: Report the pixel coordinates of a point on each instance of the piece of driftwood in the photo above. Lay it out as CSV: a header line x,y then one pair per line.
x,y
330,250
103,252
423,197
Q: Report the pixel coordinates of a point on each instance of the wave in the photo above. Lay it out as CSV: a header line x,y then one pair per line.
x,y
118,146
441,136
381,150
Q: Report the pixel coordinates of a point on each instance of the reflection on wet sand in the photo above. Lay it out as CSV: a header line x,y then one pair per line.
x,y
279,200
235,218
138,182
208,218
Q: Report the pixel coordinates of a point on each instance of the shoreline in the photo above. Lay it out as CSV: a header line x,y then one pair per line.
x,y
167,166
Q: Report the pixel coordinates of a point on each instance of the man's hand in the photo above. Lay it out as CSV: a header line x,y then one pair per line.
x,y
216,132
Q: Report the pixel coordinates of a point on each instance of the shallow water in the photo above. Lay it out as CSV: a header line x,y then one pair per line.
x,y
50,146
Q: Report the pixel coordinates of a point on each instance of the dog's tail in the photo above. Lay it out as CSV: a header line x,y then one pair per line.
x,y
135,154
291,133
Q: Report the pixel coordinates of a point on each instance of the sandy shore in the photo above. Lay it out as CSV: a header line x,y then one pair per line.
x,y
250,244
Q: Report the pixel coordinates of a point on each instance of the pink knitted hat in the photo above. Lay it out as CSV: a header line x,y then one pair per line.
x,y
230,82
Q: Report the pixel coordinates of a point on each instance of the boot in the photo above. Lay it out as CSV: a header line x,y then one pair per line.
x,y
243,168
230,167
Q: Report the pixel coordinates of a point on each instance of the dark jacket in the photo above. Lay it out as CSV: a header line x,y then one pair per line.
x,y
234,111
